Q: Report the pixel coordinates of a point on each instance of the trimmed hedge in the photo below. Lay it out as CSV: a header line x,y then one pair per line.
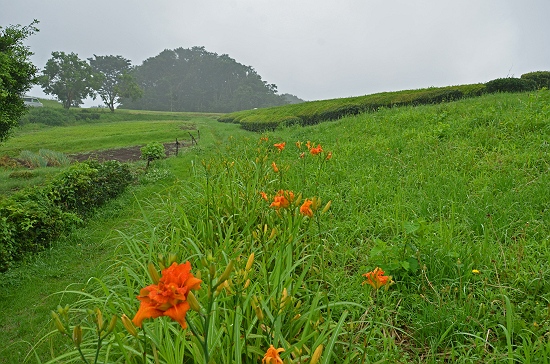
x,y
31,219
314,112
541,78
510,84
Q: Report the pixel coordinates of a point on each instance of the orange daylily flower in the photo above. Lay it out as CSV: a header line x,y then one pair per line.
x,y
280,146
305,209
264,195
376,278
317,150
329,155
308,145
264,139
282,199
272,356
299,144
169,296
275,168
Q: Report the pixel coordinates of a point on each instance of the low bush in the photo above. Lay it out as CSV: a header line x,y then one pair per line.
x,y
541,78
510,84
47,116
29,222
152,151
31,219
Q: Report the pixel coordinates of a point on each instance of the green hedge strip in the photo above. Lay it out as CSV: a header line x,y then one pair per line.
x,y
32,218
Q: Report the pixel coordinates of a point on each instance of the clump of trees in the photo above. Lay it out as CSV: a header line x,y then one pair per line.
x,y
197,80
72,79
17,74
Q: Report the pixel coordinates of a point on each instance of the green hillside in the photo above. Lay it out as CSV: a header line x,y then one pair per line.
x,y
450,200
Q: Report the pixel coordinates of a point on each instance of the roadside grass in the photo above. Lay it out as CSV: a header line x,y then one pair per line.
x,y
451,200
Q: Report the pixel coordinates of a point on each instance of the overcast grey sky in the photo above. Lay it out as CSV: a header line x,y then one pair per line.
x,y
314,49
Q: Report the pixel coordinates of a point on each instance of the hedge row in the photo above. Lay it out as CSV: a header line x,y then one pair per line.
x,y
31,219
314,112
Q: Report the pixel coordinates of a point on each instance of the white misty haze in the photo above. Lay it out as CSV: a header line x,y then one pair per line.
x,y
314,49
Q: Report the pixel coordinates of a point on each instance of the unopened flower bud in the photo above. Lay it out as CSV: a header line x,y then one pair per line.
x,y
112,324
99,319
171,259
77,335
193,302
327,206
257,308
153,273
58,324
316,355
249,262
226,273
129,325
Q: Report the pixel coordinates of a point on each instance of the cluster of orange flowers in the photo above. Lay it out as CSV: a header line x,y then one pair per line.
x,y
312,150
284,198
377,279
169,297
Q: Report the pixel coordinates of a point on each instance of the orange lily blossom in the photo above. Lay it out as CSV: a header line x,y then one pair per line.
x,y
272,356
275,168
376,278
329,155
305,209
317,150
282,199
169,296
280,146
264,195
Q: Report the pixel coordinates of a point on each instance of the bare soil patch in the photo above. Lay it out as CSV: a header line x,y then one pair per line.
x,y
127,154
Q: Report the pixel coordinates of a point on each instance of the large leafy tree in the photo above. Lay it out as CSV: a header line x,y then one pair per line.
x,y
17,74
114,79
69,78
197,80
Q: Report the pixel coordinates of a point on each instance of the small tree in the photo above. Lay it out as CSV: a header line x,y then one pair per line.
x,y
152,151
17,74
115,80
69,78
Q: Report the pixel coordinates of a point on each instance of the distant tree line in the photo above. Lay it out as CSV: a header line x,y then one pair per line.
x,y
201,81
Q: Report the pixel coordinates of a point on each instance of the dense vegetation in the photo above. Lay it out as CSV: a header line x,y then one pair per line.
x,y
197,80
450,200
17,74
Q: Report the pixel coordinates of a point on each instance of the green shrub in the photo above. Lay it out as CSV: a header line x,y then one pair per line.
x,y
152,151
47,116
84,186
510,84
541,78
29,222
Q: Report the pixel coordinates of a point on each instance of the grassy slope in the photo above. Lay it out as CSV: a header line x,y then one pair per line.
x,y
30,290
464,183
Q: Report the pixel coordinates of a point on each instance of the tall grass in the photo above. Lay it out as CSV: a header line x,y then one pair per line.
x,y
451,200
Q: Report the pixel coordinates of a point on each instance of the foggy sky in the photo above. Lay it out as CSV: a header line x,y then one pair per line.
x,y
314,49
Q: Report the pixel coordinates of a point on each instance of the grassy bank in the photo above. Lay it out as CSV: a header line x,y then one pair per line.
x,y
450,200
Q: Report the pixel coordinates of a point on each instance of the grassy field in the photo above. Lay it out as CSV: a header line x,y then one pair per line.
x,y
450,200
